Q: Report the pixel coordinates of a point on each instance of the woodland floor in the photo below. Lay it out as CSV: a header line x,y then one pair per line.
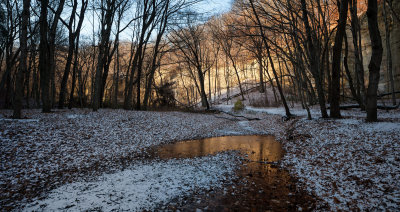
x,y
83,160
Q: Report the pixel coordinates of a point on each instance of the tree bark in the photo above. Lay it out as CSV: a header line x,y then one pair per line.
x,y
19,83
261,73
359,68
71,45
337,53
107,19
154,65
346,67
44,63
389,63
375,62
314,61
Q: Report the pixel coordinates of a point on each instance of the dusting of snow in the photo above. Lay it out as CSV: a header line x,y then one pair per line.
x,y
350,121
382,127
66,146
143,186
349,164
19,120
73,116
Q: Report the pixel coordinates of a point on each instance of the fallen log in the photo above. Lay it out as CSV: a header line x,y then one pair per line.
x,y
344,107
384,107
237,116
387,94
381,107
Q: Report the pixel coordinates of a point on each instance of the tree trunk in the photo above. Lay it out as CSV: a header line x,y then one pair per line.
x,y
107,19
346,67
337,53
270,81
116,79
375,62
44,63
71,96
389,62
237,75
203,95
314,62
163,26
67,68
261,73
359,68
288,114
19,84
71,42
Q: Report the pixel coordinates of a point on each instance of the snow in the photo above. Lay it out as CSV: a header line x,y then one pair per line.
x,y
19,120
382,127
269,110
68,146
347,164
143,186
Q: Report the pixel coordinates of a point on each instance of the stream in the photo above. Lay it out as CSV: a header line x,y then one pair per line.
x,y
260,184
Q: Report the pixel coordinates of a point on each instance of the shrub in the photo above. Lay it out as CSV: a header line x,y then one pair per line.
x,y
238,106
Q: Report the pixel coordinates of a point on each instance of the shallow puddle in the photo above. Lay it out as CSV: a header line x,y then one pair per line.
x,y
256,148
261,185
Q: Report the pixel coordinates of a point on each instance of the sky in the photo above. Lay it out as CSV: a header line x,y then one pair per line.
x,y
215,6
207,7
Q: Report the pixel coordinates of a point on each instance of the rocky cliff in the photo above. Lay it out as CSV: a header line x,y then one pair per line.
x,y
394,25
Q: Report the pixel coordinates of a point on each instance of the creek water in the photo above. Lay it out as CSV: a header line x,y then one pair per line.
x,y
260,185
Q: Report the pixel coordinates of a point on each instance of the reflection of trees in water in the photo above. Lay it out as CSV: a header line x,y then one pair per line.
x,y
260,186
258,148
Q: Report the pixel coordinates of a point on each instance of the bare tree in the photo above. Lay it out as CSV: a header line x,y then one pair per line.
x,y
191,43
389,62
44,62
107,11
337,53
73,35
10,32
375,62
359,68
23,37
163,22
314,60
263,36
225,35
147,11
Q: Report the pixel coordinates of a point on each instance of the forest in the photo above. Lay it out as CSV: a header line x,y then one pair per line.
x,y
141,55
88,86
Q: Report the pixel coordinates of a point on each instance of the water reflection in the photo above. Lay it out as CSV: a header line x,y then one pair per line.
x,y
258,148
259,187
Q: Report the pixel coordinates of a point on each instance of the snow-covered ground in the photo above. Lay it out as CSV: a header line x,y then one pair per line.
x,y
143,186
347,163
47,151
350,164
